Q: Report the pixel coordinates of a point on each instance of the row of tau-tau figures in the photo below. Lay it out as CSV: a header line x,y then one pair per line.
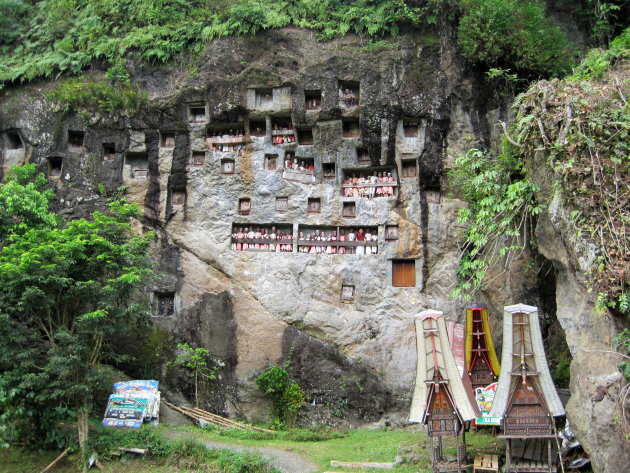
x,y
376,185
369,242
280,241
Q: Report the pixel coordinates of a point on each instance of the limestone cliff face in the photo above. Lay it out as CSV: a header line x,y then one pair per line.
x,y
414,107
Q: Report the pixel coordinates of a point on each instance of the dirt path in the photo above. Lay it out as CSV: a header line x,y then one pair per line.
x,y
286,461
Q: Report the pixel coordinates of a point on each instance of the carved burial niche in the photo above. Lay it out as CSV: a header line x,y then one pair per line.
x,y
55,164
328,170
271,162
409,167
244,206
411,128
404,273
347,293
226,138
167,139
350,128
349,94
263,98
178,197
313,99
197,113
391,233
282,204
75,140
314,205
227,167
349,209
138,164
433,194
282,131
165,302
13,140
257,128
198,158
109,151
363,157
305,136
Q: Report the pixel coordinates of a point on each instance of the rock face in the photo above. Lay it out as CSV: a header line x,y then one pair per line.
x,y
208,158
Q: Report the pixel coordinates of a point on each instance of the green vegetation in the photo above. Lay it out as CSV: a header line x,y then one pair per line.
x,y
577,132
43,38
286,396
196,361
66,290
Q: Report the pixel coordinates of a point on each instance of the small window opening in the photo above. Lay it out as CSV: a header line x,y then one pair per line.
x,y
167,139
349,209
54,166
409,168
14,141
197,114
434,195
347,293
391,233
351,129
363,156
109,151
198,158
257,128
314,205
410,129
271,162
329,171
75,139
244,206
403,273
165,303
313,99
348,94
305,136
282,204
263,98
227,166
178,197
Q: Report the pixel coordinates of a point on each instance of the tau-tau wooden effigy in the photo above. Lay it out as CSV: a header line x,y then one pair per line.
x,y
440,400
482,364
526,398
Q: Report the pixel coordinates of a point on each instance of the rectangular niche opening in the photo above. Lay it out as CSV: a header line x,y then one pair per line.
x,y
271,162
409,167
198,158
226,138
257,128
328,170
349,209
351,129
178,197
227,167
244,206
349,94
165,303
263,98
313,99
167,139
314,205
363,157
197,113
55,164
305,136
14,140
347,293
433,195
403,273
411,128
109,151
139,164
282,204
282,131
391,233
75,140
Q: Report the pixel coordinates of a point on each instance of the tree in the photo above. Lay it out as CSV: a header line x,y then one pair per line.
x,y
286,396
195,360
65,291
